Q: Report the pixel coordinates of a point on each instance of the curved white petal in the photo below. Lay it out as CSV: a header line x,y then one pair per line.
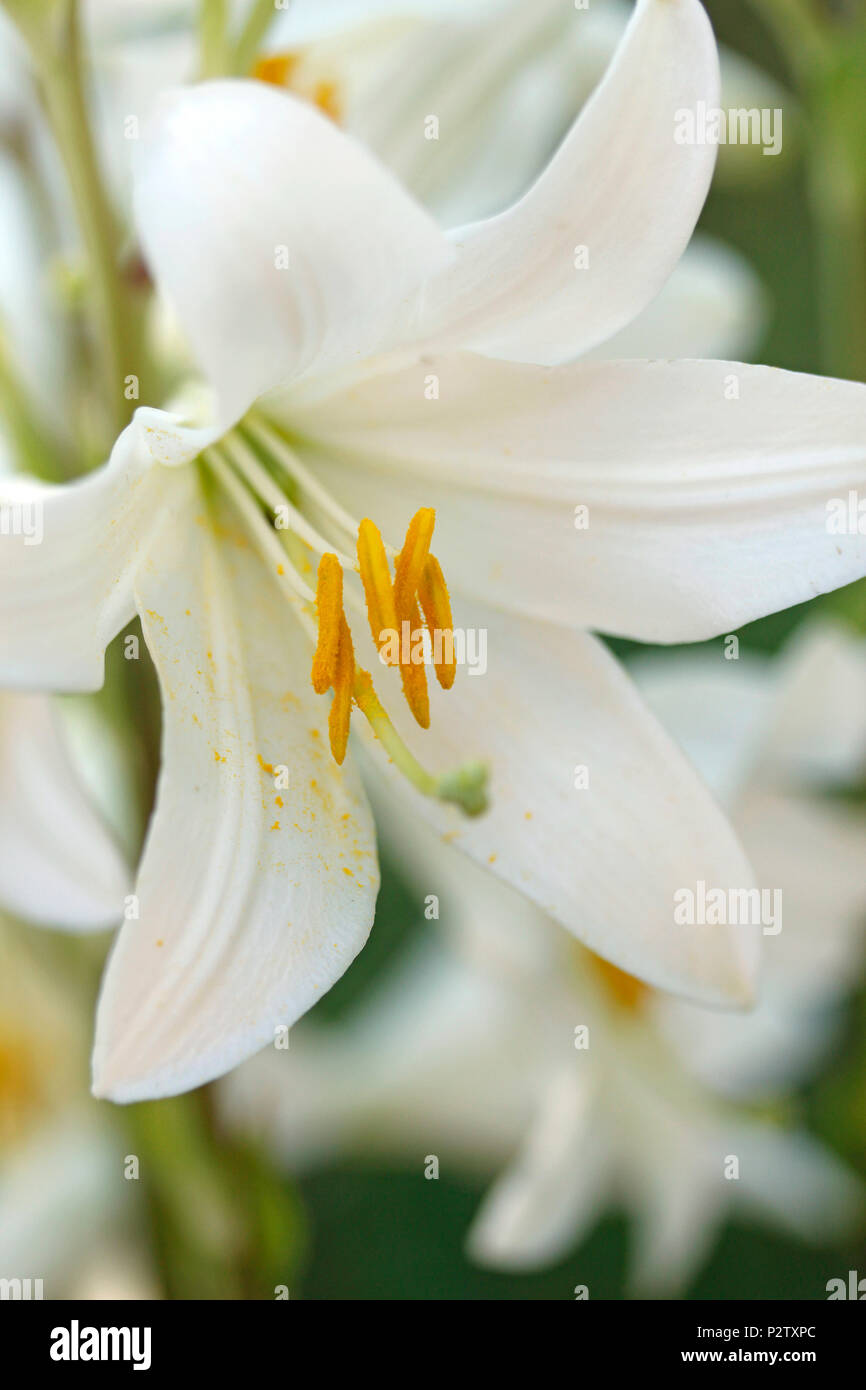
x,y
673,1180
254,898
281,242
706,488
556,1188
620,186
68,555
818,735
58,863
719,711
799,1182
712,306
554,708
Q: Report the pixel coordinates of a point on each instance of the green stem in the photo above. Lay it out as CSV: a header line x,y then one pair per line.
x,y
212,30
60,68
36,450
839,211
824,63
251,37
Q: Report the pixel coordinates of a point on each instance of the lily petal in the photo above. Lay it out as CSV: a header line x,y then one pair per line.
x,y
606,859
713,305
254,897
620,187
58,864
557,1187
705,488
266,226
68,555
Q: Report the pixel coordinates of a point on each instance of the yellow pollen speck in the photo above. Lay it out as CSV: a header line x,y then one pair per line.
x,y
349,872
527,815
266,767
276,825
160,942
278,801
491,858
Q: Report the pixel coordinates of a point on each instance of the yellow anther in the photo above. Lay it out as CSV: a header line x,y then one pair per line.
x,y
326,98
412,559
275,68
436,606
340,712
376,578
412,673
407,575
329,609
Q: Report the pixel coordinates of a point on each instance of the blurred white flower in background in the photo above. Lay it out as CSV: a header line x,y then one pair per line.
x,y
68,1216
468,1049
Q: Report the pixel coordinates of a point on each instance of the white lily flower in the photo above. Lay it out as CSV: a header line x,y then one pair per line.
x,y
469,1054
324,306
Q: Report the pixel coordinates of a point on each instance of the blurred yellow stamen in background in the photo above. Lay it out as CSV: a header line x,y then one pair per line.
x,y
326,98
275,68
626,991
287,70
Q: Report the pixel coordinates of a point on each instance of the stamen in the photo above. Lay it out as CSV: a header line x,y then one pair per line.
x,y
341,706
329,609
275,68
277,449
407,576
436,606
376,579
412,673
250,487
261,482
412,559
465,786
